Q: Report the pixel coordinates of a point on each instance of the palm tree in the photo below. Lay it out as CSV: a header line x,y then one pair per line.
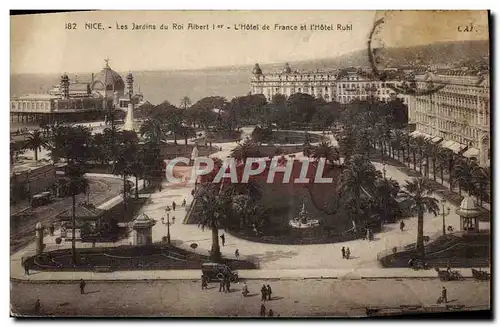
x,y
420,145
154,130
247,149
327,151
76,184
413,149
464,175
481,181
185,103
442,162
432,151
215,205
451,160
35,141
359,174
125,158
418,193
398,143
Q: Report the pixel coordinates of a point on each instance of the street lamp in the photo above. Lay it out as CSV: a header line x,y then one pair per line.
x,y
444,213
167,224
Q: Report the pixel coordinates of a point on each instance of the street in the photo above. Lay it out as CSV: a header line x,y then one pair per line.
x,y
311,297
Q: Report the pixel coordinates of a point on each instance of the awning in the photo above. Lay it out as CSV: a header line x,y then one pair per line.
x,y
414,133
447,144
471,153
436,139
457,147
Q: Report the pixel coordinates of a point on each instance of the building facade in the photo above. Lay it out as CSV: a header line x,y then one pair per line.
x,y
74,101
456,115
342,86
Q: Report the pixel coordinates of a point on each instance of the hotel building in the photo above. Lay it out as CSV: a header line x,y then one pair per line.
x,y
456,115
342,86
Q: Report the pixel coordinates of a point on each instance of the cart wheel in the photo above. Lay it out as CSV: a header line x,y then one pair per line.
x,y
442,278
220,276
233,279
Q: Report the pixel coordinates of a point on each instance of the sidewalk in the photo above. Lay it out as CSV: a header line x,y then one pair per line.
x,y
194,274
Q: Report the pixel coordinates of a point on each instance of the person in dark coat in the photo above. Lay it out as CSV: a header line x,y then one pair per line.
x,y
402,225
269,292
444,295
221,286
223,239
173,205
228,285
26,269
82,286
51,229
237,253
262,310
37,306
271,313
204,284
263,290
343,252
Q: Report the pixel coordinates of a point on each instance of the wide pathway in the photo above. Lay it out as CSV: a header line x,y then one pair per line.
x,y
289,298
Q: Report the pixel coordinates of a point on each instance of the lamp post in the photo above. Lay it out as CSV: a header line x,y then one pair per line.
x,y
167,224
444,213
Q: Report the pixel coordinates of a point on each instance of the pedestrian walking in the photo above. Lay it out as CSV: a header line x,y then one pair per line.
x,y
237,253
228,285
51,229
263,291
271,313
82,286
402,225
347,253
26,269
223,239
262,310
183,203
343,252
221,286
173,205
269,292
37,307
245,290
204,284
444,295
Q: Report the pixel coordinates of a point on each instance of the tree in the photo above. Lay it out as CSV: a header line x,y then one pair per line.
x,y
35,142
215,205
464,175
185,102
247,149
327,151
77,183
123,165
418,193
358,175
481,181
153,130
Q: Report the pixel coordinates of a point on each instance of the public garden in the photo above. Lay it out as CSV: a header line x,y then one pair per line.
x,y
276,226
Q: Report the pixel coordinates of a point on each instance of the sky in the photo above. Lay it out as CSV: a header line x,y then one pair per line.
x,y
42,44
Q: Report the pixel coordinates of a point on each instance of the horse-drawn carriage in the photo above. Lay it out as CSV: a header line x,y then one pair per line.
x,y
480,275
447,275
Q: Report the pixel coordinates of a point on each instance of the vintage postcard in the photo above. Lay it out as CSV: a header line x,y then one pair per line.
x,y
250,164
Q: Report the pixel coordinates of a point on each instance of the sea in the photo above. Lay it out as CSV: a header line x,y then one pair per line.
x,y
157,86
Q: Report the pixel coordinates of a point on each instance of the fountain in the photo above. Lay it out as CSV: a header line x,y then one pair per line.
x,y
302,220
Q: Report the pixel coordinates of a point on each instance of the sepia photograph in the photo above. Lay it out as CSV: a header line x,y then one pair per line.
x,y
250,164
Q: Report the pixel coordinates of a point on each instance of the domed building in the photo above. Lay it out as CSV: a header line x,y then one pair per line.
x,y
108,83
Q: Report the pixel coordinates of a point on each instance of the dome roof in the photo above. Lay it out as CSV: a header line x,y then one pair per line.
x,y
108,77
256,70
287,69
468,208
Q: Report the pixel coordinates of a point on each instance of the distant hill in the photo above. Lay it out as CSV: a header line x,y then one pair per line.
x,y
432,54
